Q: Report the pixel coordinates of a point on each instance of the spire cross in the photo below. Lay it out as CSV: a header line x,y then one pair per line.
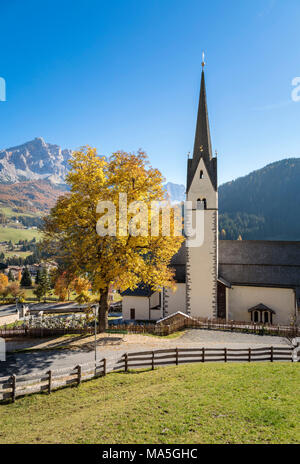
x,y
203,62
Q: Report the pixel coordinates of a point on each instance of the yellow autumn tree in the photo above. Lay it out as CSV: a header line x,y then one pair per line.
x,y
61,286
131,254
3,281
81,285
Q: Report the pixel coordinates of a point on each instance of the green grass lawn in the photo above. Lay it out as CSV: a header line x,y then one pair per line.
x,y
9,233
20,254
203,403
9,212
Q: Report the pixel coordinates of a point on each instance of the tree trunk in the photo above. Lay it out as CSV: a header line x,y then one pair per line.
x,y
103,311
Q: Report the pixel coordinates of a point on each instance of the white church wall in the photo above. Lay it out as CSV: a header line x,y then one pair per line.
x,y
139,303
175,300
281,300
202,260
202,188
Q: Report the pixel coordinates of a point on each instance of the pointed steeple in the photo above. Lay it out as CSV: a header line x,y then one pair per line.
x,y
202,144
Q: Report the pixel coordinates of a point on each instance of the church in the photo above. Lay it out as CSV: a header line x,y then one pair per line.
x,y
240,280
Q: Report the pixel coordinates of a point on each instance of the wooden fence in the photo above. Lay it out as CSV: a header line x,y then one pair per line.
x,y
161,329
290,331
31,332
13,386
195,355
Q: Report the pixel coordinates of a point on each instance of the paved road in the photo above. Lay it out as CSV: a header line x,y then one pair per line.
x,y
7,310
27,362
230,339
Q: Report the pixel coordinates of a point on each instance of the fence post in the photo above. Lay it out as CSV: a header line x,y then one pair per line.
x,y
249,354
271,354
49,382
13,385
203,354
152,360
176,351
104,366
79,374
225,354
126,362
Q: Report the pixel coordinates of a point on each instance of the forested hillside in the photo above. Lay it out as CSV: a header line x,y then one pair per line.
x,y
262,205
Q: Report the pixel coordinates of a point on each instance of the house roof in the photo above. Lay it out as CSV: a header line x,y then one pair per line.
x,y
140,290
173,315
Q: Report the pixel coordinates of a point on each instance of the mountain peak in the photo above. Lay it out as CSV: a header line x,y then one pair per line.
x,y
34,160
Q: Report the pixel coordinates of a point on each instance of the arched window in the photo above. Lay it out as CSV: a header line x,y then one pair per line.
x,y
261,314
201,204
201,174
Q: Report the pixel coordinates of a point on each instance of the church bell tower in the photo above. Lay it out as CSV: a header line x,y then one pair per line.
x,y
202,191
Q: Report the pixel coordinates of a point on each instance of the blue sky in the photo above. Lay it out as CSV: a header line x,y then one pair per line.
x,y
125,74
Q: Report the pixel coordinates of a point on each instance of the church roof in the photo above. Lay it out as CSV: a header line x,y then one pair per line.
x,y
202,143
260,262
254,262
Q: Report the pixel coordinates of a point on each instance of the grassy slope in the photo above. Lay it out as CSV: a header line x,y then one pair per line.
x,y
210,403
9,212
9,233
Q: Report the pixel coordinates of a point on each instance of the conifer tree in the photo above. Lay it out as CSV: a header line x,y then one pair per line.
x,y
44,285
26,278
10,276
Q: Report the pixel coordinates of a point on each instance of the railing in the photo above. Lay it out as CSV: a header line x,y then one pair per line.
x,y
161,329
290,331
13,386
191,355
41,332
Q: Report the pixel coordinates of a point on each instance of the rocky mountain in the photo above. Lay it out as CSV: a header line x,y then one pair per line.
x,y
34,160
176,191
262,205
